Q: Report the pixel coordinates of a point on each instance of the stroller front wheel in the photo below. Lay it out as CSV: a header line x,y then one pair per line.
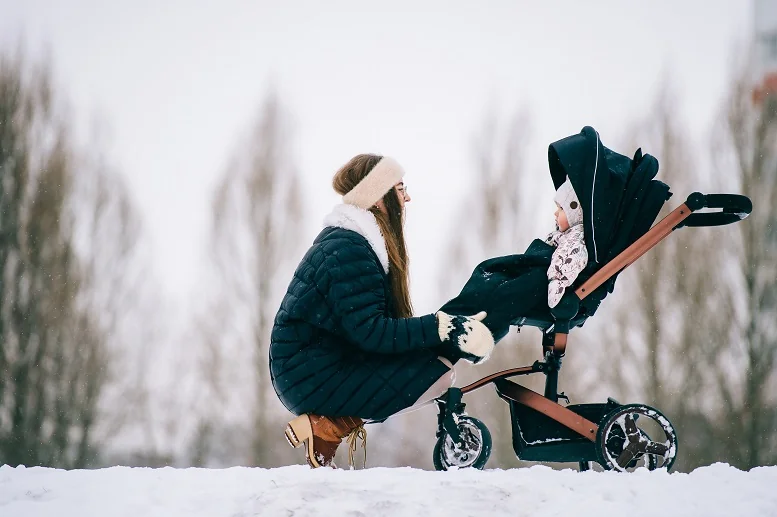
x,y
472,450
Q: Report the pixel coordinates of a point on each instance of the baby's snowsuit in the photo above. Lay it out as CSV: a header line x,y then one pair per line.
x,y
515,286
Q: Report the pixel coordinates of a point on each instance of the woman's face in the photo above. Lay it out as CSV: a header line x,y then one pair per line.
x,y
402,195
561,219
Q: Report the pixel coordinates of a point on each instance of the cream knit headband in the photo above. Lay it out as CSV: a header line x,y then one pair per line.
x,y
386,173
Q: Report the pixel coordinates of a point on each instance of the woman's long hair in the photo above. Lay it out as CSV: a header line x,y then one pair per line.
x,y
391,226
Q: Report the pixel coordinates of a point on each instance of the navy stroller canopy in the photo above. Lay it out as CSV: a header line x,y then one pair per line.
x,y
618,195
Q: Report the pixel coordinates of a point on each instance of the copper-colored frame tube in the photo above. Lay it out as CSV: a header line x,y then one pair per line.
x,y
537,402
641,246
524,370
557,412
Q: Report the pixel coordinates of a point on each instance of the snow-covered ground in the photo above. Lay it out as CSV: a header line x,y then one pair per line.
x,y
536,491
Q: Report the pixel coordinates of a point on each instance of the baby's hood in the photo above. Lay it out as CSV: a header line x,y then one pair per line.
x,y
566,198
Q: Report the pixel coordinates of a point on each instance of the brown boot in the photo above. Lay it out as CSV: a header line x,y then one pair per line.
x,y
323,435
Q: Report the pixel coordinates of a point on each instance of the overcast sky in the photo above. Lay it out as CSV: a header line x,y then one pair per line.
x,y
177,83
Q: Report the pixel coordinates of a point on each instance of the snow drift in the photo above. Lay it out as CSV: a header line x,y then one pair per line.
x,y
297,490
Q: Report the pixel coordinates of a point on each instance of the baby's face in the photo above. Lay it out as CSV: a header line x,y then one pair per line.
x,y
561,219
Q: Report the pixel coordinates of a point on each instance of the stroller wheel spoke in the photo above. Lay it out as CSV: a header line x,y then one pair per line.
x,y
627,455
656,448
631,427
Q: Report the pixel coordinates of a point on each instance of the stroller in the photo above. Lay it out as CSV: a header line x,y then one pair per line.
x,y
620,200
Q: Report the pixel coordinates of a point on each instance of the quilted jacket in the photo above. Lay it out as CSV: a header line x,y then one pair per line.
x,y
336,347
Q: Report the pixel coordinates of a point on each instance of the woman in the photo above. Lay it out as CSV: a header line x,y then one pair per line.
x,y
345,346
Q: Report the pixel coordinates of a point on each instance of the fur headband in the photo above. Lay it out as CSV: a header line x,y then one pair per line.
x,y
386,173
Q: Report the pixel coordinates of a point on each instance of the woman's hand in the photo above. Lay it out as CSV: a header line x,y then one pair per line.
x,y
468,333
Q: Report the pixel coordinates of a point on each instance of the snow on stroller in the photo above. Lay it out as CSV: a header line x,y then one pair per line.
x,y
620,200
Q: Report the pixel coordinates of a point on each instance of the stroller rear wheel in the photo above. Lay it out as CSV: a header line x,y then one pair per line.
x,y
470,451
636,435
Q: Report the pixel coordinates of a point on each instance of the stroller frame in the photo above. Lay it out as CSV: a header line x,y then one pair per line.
x,y
543,429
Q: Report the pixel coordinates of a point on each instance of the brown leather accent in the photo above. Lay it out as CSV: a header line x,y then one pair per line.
x,y
560,345
498,375
641,246
324,451
328,432
555,411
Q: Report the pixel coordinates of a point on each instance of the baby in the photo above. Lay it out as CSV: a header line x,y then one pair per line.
x,y
571,255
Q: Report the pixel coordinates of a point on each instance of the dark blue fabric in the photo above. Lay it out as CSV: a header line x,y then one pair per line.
x,y
336,349
506,288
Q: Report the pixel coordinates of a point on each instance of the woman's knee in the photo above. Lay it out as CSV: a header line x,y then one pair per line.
x,y
448,378
441,385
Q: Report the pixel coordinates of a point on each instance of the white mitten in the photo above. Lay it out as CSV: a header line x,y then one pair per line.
x,y
472,337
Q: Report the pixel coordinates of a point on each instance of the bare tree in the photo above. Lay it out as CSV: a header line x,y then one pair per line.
x,y
55,331
38,273
117,291
747,372
257,216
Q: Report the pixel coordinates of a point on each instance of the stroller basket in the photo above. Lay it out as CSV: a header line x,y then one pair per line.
x,y
538,437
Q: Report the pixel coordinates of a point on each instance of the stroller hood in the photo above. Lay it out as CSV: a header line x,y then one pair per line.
x,y
618,195
599,178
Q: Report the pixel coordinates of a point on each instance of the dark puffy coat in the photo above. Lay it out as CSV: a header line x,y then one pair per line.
x,y
336,348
